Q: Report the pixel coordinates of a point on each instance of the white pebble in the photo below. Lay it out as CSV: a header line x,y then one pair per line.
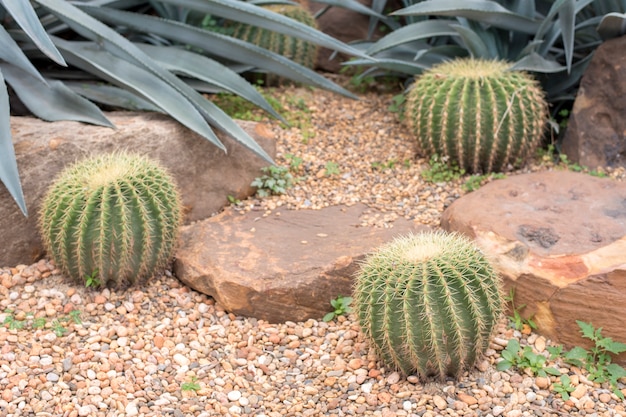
x,y
45,360
234,395
131,409
84,410
236,410
243,401
497,410
182,360
203,308
76,299
407,405
367,387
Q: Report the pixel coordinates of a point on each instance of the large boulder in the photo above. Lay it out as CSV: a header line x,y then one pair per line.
x,y
559,239
286,266
205,174
596,131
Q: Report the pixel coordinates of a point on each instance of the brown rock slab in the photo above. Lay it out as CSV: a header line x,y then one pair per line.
x,y
596,131
205,175
286,266
559,239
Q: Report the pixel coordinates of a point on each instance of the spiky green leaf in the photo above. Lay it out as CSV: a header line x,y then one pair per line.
x,y
9,174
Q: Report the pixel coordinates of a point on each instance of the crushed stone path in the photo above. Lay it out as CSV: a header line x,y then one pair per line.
x,y
162,349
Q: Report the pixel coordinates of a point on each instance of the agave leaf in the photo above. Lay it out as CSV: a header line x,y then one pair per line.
x,y
52,101
567,21
111,96
484,11
475,44
243,12
9,174
536,63
89,57
194,65
612,25
11,52
412,32
217,44
24,14
355,6
139,62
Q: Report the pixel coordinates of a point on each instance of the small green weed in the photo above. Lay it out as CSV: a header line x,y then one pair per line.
x,y
331,168
341,306
516,320
295,162
441,171
390,164
598,361
397,105
564,387
514,355
11,322
35,323
92,280
550,155
191,385
276,180
233,200
474,182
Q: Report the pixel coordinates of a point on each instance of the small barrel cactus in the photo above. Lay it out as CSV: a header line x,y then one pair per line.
x,y
111,219
299,51
477,114
428,303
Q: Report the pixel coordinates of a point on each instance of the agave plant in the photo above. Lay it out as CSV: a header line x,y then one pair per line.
x,y
55,54
554,39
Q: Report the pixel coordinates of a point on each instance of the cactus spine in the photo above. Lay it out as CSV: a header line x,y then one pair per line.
x,y
299,51
428,303
114,215
477,113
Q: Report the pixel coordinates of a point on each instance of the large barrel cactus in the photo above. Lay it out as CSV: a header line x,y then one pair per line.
x,y
477,114
299,51
112,218
428,303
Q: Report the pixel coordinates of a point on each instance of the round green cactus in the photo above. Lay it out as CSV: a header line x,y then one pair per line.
x,y
428,303
111,220
299,51
477,114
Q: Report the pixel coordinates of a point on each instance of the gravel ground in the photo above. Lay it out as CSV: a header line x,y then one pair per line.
x,y
163,349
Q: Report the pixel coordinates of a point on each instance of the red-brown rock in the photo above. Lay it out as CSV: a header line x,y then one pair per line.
x,y
596,131
204,174
285,266
559,239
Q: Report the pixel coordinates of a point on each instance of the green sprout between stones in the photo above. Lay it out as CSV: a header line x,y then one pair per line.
x,y
295,162
474,182
514,356
598,360
331,168
92,281
233,200
516,320
563,387
441,171
276,180
35,323
341,306
191,385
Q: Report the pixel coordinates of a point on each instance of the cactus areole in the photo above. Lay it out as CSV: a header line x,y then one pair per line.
x,y
477,114
428,303
114,218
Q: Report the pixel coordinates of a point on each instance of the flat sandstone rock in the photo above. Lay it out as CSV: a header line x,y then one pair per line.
x,y
559,239
283,267
206,176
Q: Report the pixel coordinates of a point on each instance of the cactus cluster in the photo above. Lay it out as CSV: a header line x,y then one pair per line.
x,y
428,303
112,218
477,114
299,51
